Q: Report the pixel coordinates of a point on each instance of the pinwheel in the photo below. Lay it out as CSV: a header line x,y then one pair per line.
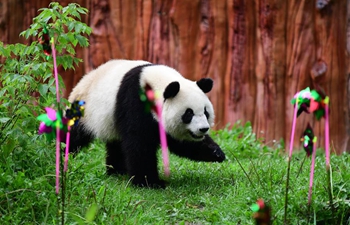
x,y
318,104
45,42
262,212
309,143
307,139
302,100
73,115
148,96
315,102
153,103
50,121
75,112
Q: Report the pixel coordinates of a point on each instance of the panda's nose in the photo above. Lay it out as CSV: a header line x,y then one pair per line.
x,y
203,130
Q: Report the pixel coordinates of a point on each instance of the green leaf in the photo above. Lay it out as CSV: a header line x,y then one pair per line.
x,y
11,90
4,119
43,89
52,90
82,10
78,27
91,212
70,49
83,41
8,147
70,25
76,14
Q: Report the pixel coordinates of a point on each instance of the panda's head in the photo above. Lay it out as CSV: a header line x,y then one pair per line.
x,y
187,112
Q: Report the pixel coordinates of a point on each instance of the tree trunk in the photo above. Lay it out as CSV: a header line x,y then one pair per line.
x,y
259,53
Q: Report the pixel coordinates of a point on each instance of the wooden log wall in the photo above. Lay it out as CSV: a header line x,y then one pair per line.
x,y
260,53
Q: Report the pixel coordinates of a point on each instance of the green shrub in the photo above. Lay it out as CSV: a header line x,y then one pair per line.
x,y
27,85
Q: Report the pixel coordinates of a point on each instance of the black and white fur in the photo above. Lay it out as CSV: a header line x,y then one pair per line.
x,y
115,114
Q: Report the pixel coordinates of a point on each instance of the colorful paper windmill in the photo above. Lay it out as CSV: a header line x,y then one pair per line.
x,y
315,102
148,96
318,104
302,98
307,139
45,42
262,212
50,122
75,112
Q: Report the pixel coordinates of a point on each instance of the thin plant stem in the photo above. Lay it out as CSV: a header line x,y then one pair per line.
x,y
257,174
244,172
301,166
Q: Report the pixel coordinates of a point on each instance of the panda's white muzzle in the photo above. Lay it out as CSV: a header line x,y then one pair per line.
x,y
198,127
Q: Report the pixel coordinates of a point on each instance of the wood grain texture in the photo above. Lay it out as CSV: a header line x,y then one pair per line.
x,y
259,53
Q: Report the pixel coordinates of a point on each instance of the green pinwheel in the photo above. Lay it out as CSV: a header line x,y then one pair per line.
x,y
49,123
302,98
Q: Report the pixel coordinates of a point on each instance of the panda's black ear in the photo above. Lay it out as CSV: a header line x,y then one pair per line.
x,y
171,90
205,84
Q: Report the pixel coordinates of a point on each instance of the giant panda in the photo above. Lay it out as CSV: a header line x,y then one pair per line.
x,y
115,114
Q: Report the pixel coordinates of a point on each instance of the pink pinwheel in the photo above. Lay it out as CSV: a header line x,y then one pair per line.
x,y
318,104
50,121
302,100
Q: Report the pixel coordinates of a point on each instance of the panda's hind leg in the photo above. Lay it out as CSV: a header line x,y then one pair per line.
x,y
115,161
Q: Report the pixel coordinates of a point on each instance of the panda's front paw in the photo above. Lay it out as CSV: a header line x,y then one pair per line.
x,y
143,181
219,154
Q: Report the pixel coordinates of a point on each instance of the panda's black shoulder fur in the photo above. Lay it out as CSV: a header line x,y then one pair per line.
x,y
130,110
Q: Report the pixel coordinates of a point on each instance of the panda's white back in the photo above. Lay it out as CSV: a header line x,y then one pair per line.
x,y
99,89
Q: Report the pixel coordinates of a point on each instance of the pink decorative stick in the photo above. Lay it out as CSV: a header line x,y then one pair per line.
x,y
327,134
67,150
55,69
312,169
163,140
293,129
57,129
153,102
57,158
290,159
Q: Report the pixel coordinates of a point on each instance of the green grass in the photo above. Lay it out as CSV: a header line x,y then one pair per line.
x,y
197,193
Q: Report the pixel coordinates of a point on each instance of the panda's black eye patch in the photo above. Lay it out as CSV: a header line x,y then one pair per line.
x,y
187,116
206,113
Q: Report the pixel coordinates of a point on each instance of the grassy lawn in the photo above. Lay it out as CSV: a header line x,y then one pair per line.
x,y
197,193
